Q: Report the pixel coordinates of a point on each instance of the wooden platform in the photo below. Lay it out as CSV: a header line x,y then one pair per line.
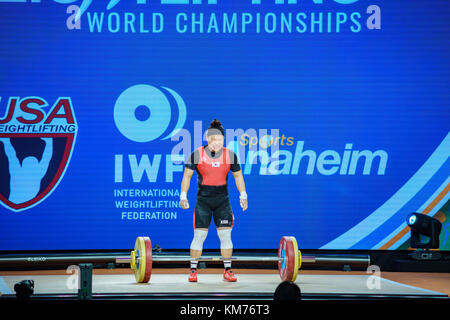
x,y
174,281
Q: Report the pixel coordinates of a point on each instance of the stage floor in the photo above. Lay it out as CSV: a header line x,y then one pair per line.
x,y
260,285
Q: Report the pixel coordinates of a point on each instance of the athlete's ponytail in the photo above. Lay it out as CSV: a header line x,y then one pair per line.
x,y
215,128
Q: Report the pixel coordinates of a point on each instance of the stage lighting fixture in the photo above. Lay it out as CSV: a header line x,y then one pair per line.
x,y
24,289
422,226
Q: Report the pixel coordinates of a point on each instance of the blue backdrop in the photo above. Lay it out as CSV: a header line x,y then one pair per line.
x,y
359,92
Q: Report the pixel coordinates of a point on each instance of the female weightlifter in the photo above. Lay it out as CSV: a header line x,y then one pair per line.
x,y
212,164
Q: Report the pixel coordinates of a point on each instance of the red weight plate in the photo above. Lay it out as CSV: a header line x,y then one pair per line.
x,y
286,251
148,259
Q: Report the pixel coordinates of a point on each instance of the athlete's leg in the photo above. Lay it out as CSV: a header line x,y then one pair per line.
x,y
197,242
226,249
224,219
202,220
196,251
226,245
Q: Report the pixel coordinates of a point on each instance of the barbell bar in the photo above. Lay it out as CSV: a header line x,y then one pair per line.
x,y
141,259
322,260
289,259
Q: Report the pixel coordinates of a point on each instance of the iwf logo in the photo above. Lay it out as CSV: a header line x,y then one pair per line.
x,y
35,149
143,113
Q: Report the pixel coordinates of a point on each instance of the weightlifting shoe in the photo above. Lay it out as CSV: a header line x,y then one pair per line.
x,y
193,275
229,276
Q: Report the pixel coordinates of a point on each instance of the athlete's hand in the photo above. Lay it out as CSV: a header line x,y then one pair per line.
x,y
244,204
243,200
184,204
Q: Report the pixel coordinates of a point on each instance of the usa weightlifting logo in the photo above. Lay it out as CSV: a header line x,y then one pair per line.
x,y
35,149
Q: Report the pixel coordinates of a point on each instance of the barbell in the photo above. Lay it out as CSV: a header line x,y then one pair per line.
x,y
289,259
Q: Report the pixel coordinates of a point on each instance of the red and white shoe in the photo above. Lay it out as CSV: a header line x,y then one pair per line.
x,y
229,276
193,275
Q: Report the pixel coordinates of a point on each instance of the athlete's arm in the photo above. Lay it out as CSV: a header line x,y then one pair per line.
x,y
235,169
185,183
240,184
189,168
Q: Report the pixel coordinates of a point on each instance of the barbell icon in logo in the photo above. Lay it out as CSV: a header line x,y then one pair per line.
x,y
143,113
